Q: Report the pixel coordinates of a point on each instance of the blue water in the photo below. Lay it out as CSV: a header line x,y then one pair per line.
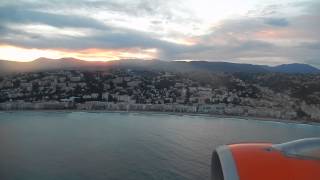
x,y
130,146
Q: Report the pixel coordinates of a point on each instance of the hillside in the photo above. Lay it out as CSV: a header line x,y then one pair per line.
x,y
44,64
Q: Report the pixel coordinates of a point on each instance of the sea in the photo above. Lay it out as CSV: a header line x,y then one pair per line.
x,y
125,146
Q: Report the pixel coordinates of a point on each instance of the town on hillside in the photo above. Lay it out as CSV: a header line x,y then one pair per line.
x,y
267,95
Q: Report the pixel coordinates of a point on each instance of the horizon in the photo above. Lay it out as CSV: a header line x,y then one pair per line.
x,y
187,61
261,32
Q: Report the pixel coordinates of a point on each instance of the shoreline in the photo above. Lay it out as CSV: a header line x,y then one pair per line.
x,y
247,118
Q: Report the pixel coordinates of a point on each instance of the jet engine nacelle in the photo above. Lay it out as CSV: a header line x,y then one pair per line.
x,y
295,160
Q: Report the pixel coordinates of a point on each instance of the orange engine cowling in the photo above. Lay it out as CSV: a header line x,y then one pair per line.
x,y
296,160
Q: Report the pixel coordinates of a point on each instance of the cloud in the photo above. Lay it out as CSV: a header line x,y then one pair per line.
x,y
262,40
103,36
277,32
112,38
13,14
315,45
280,22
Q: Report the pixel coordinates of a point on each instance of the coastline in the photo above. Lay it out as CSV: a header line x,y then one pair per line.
x,y
208,109
247,118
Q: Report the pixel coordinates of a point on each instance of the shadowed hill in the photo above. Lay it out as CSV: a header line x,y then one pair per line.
x,y
45,64
295,68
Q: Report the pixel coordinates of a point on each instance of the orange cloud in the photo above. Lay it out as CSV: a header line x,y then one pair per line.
x,y
274,33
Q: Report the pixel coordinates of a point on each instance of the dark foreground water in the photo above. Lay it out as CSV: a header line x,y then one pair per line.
x,y
124,146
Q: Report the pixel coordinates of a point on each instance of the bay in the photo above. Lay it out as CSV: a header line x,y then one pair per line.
x,y
131,146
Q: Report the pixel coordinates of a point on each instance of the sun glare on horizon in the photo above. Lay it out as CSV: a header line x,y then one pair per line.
x,y
25,55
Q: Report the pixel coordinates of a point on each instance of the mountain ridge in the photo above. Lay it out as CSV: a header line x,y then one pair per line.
x,y
68,63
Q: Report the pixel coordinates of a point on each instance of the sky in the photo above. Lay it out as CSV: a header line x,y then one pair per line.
x,y
267,32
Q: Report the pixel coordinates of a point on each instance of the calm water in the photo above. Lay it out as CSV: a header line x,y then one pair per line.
x,y
137,146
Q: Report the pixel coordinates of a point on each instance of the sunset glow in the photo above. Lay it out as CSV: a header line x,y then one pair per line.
x,y
22,54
